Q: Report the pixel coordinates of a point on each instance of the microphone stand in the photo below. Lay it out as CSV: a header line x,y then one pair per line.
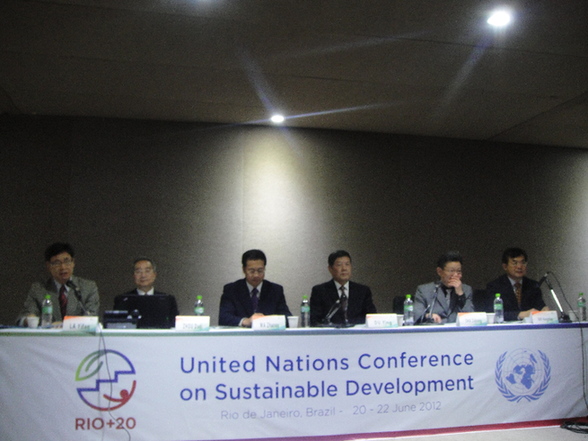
x,y
423,319
564,318
77,295
327,320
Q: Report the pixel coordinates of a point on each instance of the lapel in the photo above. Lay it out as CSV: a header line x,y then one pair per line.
x,y
245,298
334,294
444,301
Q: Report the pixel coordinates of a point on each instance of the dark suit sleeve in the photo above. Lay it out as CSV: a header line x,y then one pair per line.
x,y
367,307
229,313
281,307
318,311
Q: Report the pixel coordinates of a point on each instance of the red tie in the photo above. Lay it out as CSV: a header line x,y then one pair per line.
x,y
63,301
518,293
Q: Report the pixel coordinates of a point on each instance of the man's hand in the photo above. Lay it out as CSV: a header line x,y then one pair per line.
x,y
246,323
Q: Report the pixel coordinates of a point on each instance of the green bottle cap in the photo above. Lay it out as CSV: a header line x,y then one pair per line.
x,y
198,297
48,296
497,295
408,296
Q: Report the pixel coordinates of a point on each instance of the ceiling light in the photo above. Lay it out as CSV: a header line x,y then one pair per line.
x,y
499,18
277,119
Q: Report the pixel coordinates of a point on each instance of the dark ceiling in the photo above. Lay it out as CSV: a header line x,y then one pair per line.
x,y
419,67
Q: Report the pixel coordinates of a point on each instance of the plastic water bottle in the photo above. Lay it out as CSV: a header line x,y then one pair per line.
x,y
199,306
498,309
581,307
408,311
46,312
305,313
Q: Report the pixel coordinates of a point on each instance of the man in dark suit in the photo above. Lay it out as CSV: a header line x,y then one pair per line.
x,y
246,299
70,295
144,274
521,295
355,300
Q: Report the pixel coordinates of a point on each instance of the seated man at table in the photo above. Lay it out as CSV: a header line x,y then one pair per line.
x,y
246,299
355,300
70,295
144,275
521,296
441,301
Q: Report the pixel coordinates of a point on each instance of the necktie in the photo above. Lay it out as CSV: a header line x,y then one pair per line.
x,y
254,299
344,303
63,301
518,292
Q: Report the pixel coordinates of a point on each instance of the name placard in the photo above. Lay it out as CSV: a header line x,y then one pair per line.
x,y
269,323
544,317
472,319
381,320
192,323
80,323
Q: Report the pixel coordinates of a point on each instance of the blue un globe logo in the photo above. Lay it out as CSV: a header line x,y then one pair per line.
x,y
522,374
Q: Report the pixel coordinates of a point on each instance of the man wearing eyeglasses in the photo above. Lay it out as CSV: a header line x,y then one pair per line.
x,y
441,301
521,296
70,295
246,299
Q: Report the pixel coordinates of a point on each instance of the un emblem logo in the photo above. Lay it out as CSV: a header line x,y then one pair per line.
x,y
522,374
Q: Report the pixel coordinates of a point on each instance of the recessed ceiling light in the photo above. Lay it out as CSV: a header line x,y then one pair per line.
x,y
277,119
500,18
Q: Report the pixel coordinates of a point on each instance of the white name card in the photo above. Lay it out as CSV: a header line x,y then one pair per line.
x,y
192,323
544,317
381,320
472,319
80,323
269,323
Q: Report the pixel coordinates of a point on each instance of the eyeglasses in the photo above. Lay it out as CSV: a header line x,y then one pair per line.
x,y
65,262
255,271
143,271
517,262
453,271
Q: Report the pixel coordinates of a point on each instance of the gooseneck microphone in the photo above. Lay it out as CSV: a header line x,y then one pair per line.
x,y
544,279
336,306
429,309
77,295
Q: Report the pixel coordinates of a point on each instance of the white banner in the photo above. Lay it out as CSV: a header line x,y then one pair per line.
x,y
238,385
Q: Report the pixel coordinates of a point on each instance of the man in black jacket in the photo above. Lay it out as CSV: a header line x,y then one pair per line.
x,y
521,295
356,297
244,300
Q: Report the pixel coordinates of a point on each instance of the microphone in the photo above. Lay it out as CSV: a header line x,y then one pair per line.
x,y
543,279
336,306
77,295
563,317
429,308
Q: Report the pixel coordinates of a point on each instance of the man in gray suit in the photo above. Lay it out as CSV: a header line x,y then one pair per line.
x,y
70,295
440,301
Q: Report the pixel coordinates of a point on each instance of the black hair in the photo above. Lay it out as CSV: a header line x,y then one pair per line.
x,y
253,255
450,256
58,248
337,254
511,253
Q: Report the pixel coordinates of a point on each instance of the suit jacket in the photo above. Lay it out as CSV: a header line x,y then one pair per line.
x,y
323,297
531,296
88,292
446,307
235,303
174,306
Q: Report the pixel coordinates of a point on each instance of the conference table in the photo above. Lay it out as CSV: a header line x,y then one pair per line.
x,y
228,384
